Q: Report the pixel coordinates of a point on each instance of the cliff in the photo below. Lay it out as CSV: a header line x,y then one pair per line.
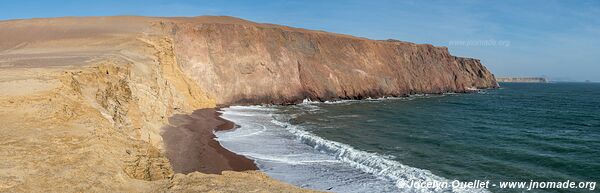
x,y
84,101
523,79
241,62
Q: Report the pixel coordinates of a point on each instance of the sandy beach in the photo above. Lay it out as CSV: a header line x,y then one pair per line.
x,y
190,144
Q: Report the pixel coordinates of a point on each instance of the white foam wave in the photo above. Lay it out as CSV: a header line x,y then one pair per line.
x,y
252,107
291,159
370,162
264,128
262,123
244,114
383,98
369,99
248,111
308,101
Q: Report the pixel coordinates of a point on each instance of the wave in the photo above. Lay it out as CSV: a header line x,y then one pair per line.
x,y
288,159
264,128
369,99
256,111
252,107
255,119
371,163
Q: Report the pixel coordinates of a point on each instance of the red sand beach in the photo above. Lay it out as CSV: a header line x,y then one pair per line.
x,y
190,144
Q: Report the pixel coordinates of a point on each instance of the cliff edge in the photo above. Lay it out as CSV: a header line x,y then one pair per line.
x,y
83,106
242,62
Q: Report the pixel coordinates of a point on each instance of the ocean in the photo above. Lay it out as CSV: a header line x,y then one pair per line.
x,y
521,132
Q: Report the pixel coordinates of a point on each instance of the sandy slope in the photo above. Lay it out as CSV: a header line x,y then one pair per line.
x,y
82,103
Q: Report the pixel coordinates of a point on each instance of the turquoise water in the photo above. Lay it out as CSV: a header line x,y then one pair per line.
x,y
521,132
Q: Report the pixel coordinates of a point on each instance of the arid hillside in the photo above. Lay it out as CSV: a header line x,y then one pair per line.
x,y
82,104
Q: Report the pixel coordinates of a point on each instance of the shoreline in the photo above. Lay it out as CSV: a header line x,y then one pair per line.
x,y
334,173
190,144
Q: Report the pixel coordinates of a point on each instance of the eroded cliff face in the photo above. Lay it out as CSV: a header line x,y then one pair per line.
x,y
240,62
82,104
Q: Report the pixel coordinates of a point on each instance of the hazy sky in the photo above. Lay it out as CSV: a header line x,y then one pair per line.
x,y
558,39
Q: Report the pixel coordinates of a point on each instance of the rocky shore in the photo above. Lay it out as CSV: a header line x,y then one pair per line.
x,y
523,79
110,104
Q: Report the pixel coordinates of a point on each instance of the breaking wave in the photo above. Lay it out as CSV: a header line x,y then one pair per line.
x,y
374,164
368,162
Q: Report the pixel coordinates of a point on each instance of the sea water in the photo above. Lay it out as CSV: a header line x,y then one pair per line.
x,y
521,132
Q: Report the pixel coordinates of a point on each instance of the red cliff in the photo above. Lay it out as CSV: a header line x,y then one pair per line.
x,y
242,62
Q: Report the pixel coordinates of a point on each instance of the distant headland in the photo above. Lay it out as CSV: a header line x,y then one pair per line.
x,y
523,79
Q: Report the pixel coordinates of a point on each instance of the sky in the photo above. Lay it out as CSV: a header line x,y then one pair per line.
x,y
555,39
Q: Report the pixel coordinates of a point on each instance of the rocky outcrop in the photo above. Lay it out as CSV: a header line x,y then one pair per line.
x,y
241,62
